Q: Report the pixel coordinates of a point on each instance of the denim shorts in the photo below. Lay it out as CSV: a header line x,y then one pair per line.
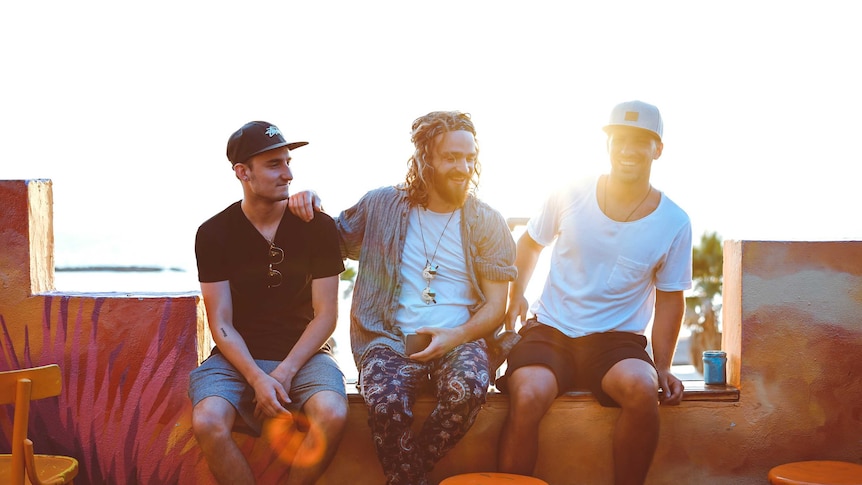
x,y
218,377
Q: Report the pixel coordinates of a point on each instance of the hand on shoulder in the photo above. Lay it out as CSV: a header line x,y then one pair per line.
x,y
303,204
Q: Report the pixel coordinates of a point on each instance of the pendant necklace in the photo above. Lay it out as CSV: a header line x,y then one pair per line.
x,y
429,296
605,201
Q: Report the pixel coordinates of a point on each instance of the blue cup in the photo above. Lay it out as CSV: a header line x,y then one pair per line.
x,y
714,367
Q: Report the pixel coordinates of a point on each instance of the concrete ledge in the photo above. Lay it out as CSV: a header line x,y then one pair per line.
x,y
694,391
575,418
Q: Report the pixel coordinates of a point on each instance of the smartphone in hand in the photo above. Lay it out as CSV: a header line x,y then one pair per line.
x,y
416,342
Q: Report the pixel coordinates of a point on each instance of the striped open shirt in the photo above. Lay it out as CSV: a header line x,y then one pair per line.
x,y
376,228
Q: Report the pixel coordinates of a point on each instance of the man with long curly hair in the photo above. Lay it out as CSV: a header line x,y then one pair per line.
x,y
434,263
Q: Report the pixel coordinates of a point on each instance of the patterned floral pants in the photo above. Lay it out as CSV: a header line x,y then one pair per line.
x,y
390,384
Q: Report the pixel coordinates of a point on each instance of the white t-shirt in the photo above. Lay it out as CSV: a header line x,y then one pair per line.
x,y
603,273
451,283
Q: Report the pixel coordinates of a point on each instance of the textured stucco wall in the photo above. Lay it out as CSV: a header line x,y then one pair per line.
x,y
792,331
801,314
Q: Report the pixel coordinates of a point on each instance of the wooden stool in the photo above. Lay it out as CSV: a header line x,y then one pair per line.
x,y
491,478
816,473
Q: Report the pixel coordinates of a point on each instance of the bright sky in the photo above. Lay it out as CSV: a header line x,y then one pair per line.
x,y
127,107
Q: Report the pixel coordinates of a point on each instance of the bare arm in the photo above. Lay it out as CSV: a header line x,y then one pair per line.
x,y
669,311
482,323
269,393
324,300
528,251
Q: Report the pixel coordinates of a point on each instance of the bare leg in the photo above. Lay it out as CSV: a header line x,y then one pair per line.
x,y
634,385
212,421
327,417
532,391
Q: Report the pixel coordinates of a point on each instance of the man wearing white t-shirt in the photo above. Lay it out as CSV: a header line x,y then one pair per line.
x,y
622,254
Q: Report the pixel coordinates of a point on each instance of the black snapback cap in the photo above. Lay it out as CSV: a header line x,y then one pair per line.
x,y
256,137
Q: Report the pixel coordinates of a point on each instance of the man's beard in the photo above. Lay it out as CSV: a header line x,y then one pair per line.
x,y
450,194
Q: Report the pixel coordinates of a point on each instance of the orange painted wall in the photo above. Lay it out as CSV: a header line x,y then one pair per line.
x,y
792,330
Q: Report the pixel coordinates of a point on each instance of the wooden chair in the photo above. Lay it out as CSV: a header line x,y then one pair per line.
x,y
21,387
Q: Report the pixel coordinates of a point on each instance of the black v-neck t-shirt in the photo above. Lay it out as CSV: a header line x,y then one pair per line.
x,y
270,320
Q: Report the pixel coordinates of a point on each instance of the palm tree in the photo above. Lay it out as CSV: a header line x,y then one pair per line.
x,y
349,275
701,315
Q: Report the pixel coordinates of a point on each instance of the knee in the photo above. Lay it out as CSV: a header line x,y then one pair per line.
x,y
209,424
328,408
389,411
465,392
336,413
528,403
638,393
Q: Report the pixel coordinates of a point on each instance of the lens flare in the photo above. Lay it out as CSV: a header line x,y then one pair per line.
x,y
294,440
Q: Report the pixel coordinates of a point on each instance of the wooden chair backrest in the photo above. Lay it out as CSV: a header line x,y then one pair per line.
x,y
45,381
21,387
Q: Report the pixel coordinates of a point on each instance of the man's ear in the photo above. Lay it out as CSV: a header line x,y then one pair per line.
x,y
241,171
658,148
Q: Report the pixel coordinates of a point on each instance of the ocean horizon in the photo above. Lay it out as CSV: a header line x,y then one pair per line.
x,y
125,279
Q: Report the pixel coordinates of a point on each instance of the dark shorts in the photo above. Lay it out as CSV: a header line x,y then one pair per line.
x,y
218,377
577,363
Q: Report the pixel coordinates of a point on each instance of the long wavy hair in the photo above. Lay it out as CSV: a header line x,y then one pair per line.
x,y
420,172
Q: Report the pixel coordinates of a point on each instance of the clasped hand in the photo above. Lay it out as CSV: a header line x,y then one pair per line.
x,y
270,398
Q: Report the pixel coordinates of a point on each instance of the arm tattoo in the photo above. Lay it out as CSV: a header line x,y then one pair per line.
x,y
223,332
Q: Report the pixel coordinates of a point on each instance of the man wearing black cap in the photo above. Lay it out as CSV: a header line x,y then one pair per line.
x,y
622,250
269,283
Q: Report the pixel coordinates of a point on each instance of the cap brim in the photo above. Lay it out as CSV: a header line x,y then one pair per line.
x,y
608,128
290,146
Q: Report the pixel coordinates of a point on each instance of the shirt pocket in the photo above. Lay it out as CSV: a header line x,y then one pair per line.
x,y
626,274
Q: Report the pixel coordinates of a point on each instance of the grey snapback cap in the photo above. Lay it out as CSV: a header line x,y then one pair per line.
x,y
636,114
